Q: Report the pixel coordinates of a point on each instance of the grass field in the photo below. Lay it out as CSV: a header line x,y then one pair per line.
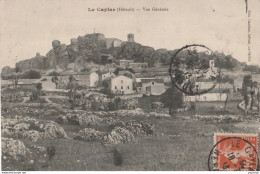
x,y
180,143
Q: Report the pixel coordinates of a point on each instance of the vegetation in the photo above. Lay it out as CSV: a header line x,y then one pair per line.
x,y
31,74
53,73
252,68
173,99
247,83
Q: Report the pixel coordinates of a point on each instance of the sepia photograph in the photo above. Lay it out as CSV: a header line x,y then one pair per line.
x,y
141,85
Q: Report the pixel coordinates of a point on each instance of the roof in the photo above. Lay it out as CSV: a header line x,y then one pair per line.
x,y
144,75
121,76
138,63
121,72
163,69
124,60
6,82
73,73
26,81
152,80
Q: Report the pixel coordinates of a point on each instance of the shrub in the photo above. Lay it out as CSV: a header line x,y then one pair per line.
x,y
32,74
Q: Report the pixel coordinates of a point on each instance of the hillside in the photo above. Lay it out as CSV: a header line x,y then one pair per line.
x,y
86,51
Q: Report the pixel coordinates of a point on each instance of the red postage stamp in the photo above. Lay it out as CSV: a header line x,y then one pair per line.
x,y
234,152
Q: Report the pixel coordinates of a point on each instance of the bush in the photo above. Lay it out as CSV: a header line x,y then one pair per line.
x,y
53,73
112,106
32,74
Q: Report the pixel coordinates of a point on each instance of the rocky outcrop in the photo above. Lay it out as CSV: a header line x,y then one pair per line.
x,y
85,51
38,62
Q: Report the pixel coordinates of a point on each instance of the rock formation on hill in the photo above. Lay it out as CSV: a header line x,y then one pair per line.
x,y
86,51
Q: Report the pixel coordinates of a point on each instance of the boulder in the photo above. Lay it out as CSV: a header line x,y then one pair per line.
x,y
13,148
118,136
89,134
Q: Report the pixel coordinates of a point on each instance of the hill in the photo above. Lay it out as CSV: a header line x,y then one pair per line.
x,y
87,51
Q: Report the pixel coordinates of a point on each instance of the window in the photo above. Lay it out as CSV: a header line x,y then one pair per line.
x,y
127,87
122,81
152,83
115,87
122,87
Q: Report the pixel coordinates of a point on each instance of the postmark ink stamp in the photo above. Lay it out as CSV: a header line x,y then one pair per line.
x,y
192,64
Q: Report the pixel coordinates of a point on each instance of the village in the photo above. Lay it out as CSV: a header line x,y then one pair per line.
x,y
124,105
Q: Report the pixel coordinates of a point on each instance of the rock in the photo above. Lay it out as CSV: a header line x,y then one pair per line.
x,y
33,135
80,119
118,136
21,127
54,130
13,148
89,134
38,63
56,44
7,132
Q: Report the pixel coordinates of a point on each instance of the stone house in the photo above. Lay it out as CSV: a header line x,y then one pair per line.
x,y
152,86
22,84
47,83
94,79
127,73
113,42
107,75
211,96
138,65
125,63
82,79
203,84
121,85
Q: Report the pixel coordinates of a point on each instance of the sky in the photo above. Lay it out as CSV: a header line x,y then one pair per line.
x,y
29,26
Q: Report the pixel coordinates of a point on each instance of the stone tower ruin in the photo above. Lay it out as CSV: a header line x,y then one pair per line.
x,y
130,37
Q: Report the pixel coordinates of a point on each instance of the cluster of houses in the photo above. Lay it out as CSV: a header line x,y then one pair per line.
x,y
127,78
128,82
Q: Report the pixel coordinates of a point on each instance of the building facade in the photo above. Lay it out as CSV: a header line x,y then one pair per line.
x,y
94,79
122,85
107,75
125,63
206,97
153,86
138,65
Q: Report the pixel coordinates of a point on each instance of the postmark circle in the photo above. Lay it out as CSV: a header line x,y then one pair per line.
x,y
193,70
241,155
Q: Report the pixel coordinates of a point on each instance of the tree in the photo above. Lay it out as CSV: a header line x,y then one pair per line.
x,y
31,74
247,83
172,98
55,80
72,87
16,77
39,87
53,73
222,83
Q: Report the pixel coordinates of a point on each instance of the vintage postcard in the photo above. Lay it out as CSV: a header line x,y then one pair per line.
x,y
141,85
